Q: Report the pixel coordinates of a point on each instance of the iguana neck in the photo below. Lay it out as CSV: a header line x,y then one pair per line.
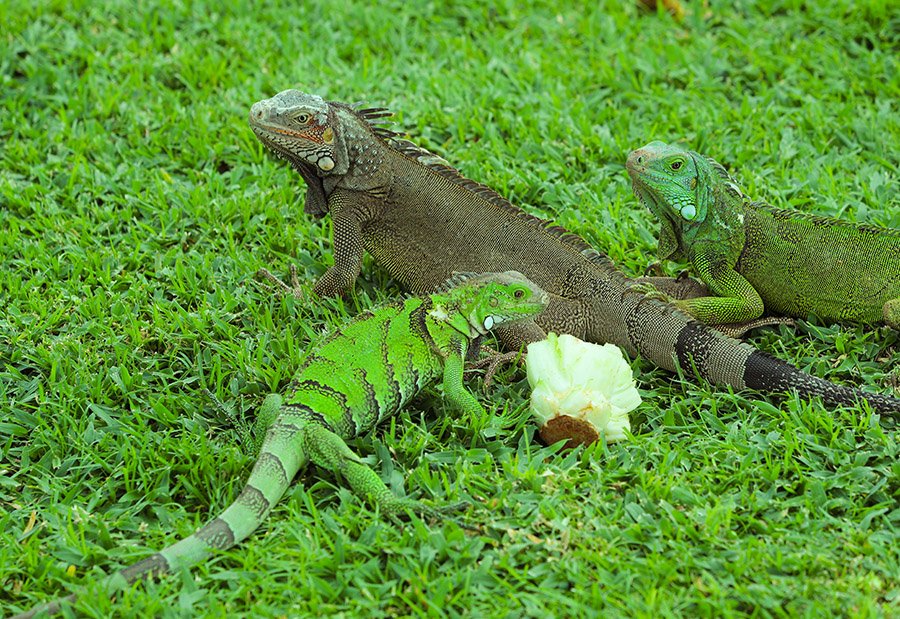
x,y
724,222
369,162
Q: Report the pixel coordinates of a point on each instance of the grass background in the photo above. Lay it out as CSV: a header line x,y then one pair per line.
x,y
136,205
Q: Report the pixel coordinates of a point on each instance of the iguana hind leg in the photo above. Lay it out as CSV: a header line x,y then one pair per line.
x,y
329,451
739,330
891,313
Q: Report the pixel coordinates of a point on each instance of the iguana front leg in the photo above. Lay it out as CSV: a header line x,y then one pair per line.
x,y
737,300
347,214
346,218
460,398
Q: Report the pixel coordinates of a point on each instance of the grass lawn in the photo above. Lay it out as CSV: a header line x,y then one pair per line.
x,y
136,204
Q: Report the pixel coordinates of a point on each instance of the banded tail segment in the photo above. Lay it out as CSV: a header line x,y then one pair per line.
x,y
671,339
281,456
768,373
721,359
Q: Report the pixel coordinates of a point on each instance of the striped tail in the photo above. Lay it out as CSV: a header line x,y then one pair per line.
x,y
281,456
767,373
723,360
671,339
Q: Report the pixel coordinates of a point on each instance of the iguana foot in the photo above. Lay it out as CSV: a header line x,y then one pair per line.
x,y
295,289
493,362
440,514
891,313
646,288
655,269
738,330
681,287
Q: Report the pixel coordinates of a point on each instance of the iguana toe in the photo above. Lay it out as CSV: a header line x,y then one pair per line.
x,y
295,289
891,312
493,362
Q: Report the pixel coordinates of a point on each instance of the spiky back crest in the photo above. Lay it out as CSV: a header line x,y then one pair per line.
x,y
374,118
788,214
730,184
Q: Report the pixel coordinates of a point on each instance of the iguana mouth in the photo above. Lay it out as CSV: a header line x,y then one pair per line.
x,y
276,139
635,163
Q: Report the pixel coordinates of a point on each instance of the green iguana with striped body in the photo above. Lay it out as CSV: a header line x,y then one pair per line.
x,y
354,379
758,258
421,220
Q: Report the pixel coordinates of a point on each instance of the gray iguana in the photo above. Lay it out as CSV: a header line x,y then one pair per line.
x,y
421,220
351,381
755,257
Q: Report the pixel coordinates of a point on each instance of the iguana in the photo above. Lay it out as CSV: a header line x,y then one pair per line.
x,y
421,220
756,257
354,379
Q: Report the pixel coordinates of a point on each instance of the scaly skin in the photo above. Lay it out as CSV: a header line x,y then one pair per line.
x,y
351,381
421,220
758,258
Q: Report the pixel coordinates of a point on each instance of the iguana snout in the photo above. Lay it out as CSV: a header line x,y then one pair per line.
x,y
638,159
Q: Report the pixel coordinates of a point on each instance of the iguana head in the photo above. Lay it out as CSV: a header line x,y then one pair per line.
x,y
675,184
475,304
300,128
303,129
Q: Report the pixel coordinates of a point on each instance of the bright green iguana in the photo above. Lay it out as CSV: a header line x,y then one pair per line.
x,y
421,220
756,257
354,379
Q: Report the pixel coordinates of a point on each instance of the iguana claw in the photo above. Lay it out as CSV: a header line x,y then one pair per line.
x,y
493,362
655,269
295,289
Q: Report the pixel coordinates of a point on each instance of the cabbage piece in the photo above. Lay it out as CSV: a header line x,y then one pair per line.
x,y
580,390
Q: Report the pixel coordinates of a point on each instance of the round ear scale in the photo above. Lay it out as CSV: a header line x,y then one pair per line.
x,y
488,323
689,212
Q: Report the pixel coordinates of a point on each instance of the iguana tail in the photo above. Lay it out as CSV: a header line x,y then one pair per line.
x,y
672,339
767,373
725,361
280,457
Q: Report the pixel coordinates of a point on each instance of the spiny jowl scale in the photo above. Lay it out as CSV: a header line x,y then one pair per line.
x,y
362,374
421,220
758,258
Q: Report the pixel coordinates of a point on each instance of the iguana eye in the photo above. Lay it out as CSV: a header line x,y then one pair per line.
x,y
519,293
302,118
676,165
